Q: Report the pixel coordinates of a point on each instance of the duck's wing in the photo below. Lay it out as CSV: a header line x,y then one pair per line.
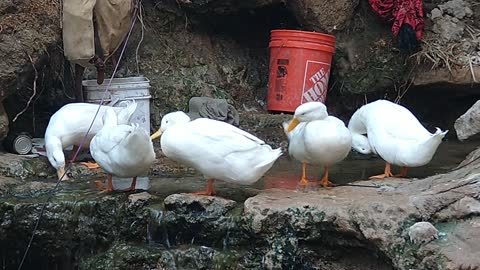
x,y
396,121
221,135
107,139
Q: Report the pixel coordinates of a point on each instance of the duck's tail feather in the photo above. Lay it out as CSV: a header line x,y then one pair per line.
x,y
439,133
124,116
274,155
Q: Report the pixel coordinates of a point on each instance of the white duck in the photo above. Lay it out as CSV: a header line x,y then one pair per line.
x,y
122,150
68,126
395,134
316,138
217,149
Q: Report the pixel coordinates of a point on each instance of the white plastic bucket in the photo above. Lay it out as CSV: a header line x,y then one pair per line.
x,y
120,89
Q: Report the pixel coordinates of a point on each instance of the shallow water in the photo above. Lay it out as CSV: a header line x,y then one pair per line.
x,y
286,172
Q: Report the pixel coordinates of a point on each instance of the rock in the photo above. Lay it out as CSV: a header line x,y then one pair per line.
x,y
125,257
27,29
357,218
4,122
463,208
456,76
328,217
33,189
139,198
448,28
456,8
6,184
467,206
23,167
436,13
198,208
422,232
472,157
75,221
457,249
199,219
323,16
129,256
468,124
192,258
468,12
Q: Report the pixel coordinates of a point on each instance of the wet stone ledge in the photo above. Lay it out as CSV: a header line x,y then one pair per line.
x,y
345,227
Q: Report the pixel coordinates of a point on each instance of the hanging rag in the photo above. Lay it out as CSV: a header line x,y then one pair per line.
x,y
407,17
93,30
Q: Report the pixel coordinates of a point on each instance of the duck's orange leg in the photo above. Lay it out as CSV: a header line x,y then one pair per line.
x,y
210,189
90,165
132,186
325,182
74,150
109,185
385,174
303,181
403,172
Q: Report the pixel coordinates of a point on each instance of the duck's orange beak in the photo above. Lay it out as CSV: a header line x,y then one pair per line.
x,y
156,135
293,124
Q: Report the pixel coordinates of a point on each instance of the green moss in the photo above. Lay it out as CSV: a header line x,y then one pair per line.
x,y
124,257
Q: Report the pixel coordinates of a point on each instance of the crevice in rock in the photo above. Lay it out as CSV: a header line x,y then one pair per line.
x,y
54,88
362,257
440,105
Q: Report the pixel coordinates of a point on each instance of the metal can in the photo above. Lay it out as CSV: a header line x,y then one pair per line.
x,y
18,143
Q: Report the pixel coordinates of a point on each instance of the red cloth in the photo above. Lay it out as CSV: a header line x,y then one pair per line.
x,y
400,12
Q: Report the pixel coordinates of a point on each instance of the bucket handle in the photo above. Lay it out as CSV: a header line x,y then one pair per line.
x,y
116,98
283,44
113,101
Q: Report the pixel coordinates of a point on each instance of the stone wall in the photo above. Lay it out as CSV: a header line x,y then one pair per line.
x,y
220,49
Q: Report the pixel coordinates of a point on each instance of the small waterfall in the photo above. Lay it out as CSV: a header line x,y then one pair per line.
x,y
157,234
230,231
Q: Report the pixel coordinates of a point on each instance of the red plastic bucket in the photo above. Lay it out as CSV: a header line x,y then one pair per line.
x,y
299,68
